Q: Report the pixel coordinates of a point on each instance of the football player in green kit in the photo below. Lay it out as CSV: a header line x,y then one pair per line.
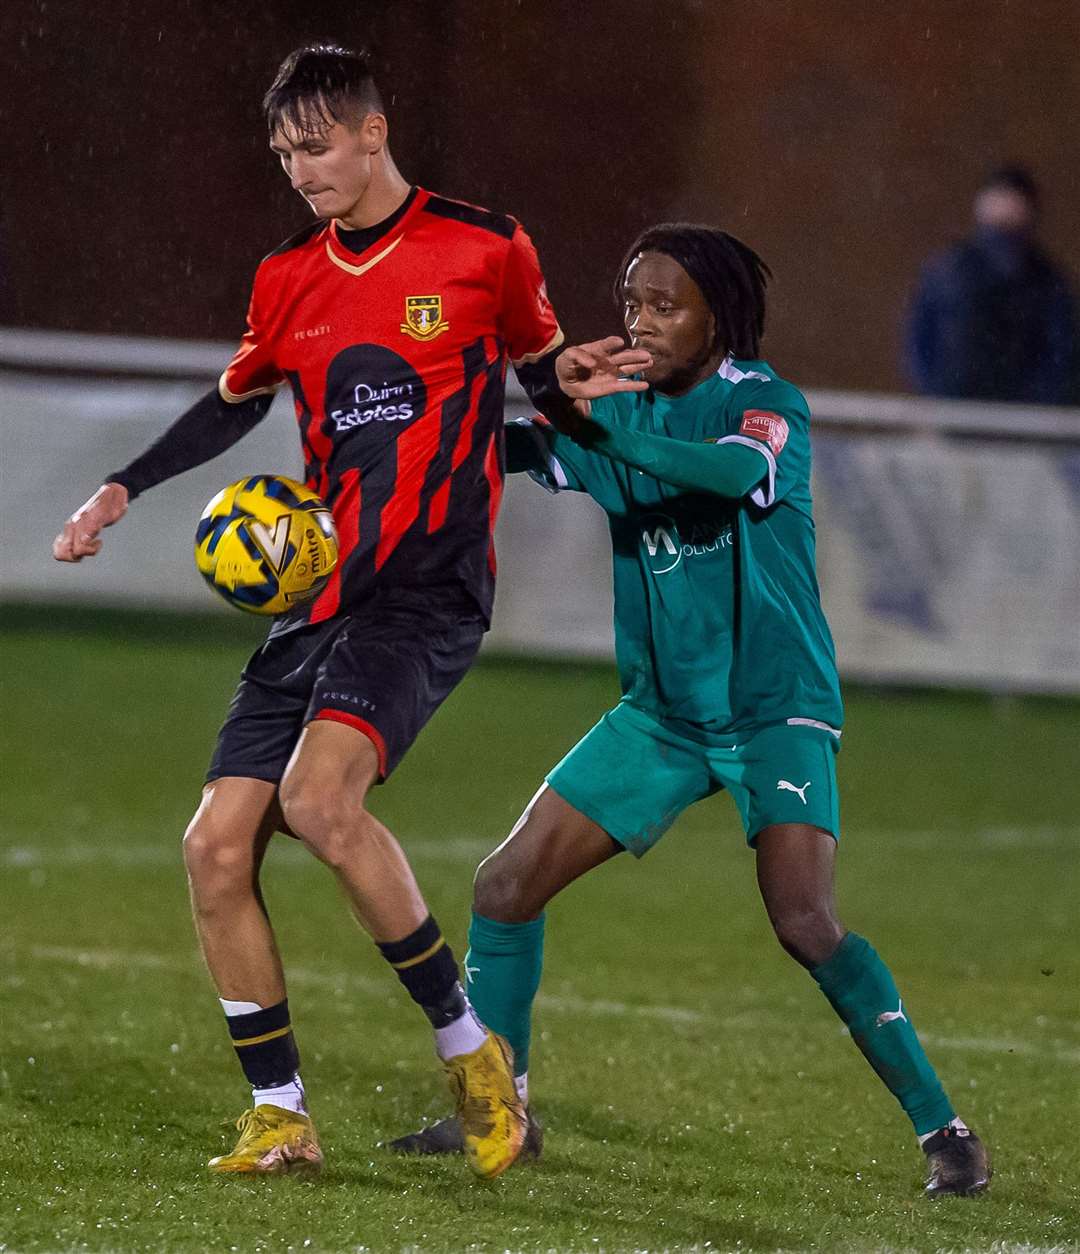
x,y
702,464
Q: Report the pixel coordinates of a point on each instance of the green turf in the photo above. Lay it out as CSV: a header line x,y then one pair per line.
x,y
697,1091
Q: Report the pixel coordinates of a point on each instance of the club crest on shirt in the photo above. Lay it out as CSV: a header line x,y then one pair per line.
x,y
423,317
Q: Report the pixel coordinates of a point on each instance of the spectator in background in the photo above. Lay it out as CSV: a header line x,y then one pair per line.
x,y
993,317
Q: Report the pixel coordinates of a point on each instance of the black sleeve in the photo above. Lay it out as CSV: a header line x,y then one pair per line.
x,y
526,448
542,388
208,428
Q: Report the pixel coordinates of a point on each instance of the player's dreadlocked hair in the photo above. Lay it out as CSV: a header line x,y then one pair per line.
x,y
731,276
321,84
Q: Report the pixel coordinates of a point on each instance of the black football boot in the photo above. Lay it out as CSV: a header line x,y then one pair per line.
x,y
958,1164
445,1137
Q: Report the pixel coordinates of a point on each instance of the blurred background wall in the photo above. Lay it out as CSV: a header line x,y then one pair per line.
x,y
842,138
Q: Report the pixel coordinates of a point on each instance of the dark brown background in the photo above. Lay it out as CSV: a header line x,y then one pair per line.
x,y
842,138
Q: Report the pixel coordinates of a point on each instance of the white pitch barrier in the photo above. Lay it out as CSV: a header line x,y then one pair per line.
x,y
948,532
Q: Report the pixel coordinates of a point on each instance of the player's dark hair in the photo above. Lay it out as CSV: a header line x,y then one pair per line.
x,y
321,84
731,276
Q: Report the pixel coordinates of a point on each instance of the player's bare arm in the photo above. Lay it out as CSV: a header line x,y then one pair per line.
x,y
79,537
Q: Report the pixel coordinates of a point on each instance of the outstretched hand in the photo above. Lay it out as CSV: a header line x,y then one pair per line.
x,y
79,537
587,371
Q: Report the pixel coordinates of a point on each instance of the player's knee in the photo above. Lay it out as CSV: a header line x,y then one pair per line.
x,y
322,818
309,812
218,862
501,891
808,933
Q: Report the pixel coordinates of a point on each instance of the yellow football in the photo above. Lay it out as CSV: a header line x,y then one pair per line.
x,y
266,543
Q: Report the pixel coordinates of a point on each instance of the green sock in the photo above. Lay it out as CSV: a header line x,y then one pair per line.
x,y
502,970
862,992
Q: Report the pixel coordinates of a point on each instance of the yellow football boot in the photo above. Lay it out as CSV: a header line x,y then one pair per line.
x,y
272,1141
491,1114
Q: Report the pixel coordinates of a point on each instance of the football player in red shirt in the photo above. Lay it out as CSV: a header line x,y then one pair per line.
x,y
392,318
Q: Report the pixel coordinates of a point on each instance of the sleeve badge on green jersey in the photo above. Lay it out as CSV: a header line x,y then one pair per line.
x,y
763,425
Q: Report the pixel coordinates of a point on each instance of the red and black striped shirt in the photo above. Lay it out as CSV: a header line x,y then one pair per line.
x,y
396,357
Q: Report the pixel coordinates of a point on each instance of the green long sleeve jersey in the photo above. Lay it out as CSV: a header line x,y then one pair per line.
x,y
718,618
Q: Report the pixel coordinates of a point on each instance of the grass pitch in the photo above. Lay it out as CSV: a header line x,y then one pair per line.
x,y
696,1089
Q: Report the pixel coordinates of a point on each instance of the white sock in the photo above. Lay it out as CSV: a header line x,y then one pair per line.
x,y
521,1083
465,1035
288,1096
240,1007
956,1124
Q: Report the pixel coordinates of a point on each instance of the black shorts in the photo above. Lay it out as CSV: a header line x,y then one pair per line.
x,y
383,669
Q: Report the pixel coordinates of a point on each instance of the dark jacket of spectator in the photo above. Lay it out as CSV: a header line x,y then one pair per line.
x,y
993,317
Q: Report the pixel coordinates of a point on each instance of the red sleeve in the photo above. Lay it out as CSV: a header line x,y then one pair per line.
x,y
528,322
252,371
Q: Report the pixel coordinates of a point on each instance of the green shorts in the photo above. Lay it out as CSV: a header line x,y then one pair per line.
x,y
634,775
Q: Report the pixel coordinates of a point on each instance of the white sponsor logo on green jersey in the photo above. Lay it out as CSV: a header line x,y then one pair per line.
x,y
665,547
